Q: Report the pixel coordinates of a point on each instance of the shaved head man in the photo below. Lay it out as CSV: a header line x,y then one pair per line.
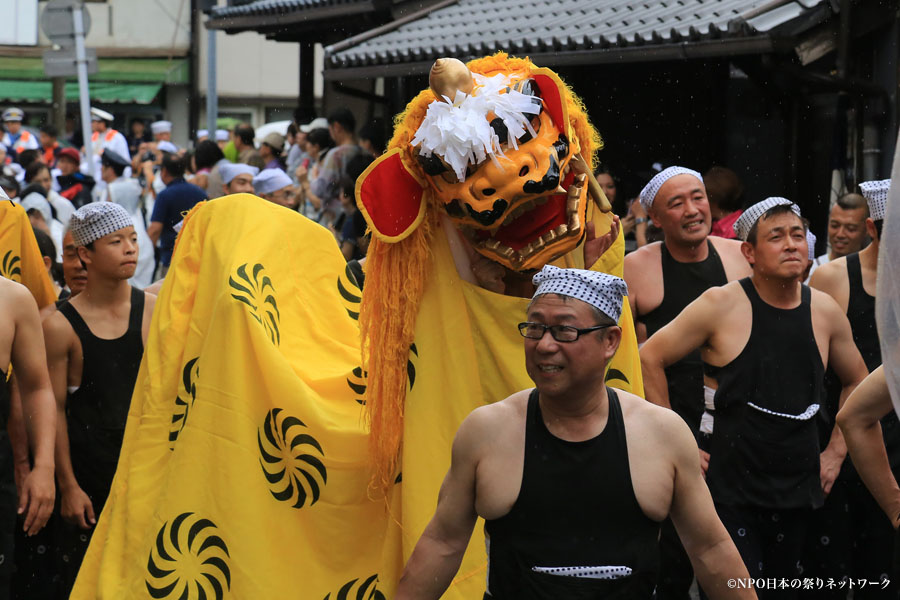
x,y
663,278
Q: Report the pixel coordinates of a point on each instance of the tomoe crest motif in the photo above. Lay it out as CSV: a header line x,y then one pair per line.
x,y
255,289
357,379
356,589
351,295
184,401
11,266
291,459
189,561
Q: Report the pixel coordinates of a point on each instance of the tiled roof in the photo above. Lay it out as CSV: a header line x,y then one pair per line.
x,y
298,18
472,28
274,8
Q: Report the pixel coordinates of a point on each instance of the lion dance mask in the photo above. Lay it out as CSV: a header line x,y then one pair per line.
x,y
504,150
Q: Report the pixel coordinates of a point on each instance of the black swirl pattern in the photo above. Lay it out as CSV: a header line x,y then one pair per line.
x,y
288,459
357,379
184,401
255,289
614,374
357,384
189,561
351,295
366,589
11,266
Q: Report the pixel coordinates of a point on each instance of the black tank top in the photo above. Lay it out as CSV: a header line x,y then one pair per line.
x,y
682,284
764,450
576,508
861,314
96,412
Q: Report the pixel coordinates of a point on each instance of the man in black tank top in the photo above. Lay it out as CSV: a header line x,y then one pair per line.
x,y
22,345
663,278
572,478
765,341
94,347
860,537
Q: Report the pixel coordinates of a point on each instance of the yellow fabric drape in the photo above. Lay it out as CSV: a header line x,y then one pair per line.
x,y
20,257
244,470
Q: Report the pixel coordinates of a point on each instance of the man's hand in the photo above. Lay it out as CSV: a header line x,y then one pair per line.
x,y
20,472
594,246
488,274
704,462
829,468
302,173
77,508
36,498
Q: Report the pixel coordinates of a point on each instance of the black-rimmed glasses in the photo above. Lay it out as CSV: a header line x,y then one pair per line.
x,y
560,333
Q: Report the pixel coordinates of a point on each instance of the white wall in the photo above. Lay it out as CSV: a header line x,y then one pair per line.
x,y
250,66
18,22
161,24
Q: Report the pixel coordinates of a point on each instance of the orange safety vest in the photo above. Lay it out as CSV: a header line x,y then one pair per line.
x,y
110,134
50,155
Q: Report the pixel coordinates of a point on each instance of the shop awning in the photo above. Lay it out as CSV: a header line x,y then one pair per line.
x,y
104,92
118,70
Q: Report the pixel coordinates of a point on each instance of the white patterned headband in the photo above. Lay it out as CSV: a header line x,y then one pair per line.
x,y
97,219
648,194
750,216
876,194
602,291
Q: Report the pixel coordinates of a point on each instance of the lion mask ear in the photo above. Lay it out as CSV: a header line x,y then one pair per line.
x,y
552,90
391,198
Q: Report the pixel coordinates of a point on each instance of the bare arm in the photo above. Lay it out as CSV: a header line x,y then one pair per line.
x,y
712,552
689,330
154,230
38,493
439,552
74,502
848,364
640,229
17,436
859,420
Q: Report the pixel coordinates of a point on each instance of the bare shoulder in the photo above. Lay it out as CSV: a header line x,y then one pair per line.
x,y
644,255
723,296
57,329
830,274
726,246
822,303
496,417
643,265
13,294
149,301
487,426
734,261
654,421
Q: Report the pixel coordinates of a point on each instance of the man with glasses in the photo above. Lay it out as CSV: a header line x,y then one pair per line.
x,y
570,509
275,186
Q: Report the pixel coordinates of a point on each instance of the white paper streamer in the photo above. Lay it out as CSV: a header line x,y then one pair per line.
x,y
460,133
